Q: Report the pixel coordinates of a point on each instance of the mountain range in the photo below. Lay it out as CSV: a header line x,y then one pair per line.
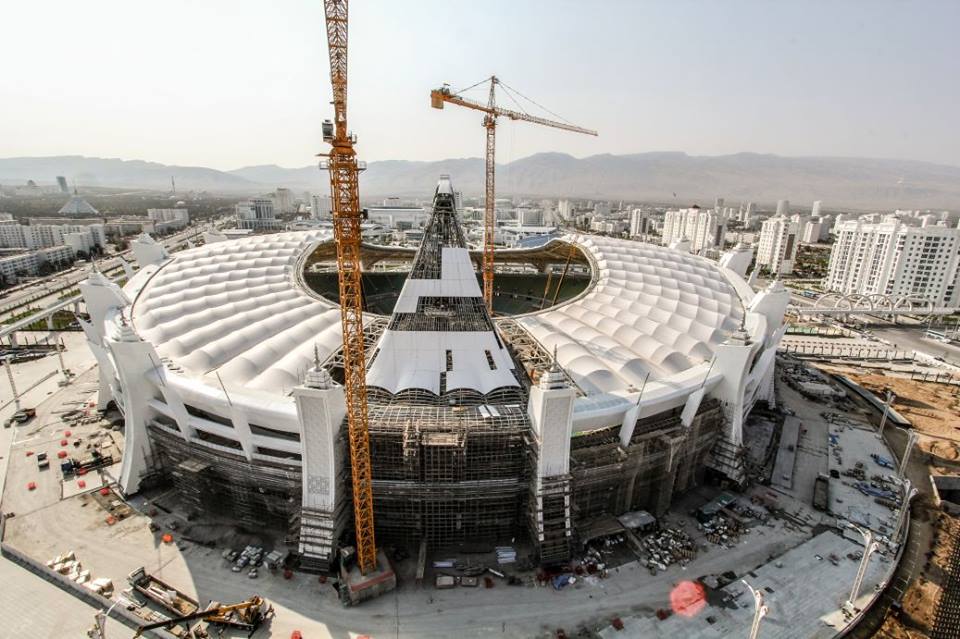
x,y
663,176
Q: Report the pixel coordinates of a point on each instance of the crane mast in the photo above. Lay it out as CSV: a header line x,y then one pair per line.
x,y
345,201
491,112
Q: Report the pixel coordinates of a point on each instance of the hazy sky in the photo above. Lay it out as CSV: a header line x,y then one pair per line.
x,y
232,83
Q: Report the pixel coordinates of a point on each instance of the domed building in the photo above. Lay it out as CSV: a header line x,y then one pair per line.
x,y
624,383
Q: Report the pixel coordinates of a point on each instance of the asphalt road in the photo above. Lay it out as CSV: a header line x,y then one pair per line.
x,y
911,338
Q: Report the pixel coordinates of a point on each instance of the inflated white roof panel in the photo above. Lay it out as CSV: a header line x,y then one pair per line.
x,y
652,309
236,308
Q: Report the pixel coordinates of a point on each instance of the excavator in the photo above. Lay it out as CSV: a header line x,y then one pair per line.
x,y
246,615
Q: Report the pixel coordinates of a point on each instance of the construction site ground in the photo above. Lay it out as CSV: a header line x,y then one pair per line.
x,y
933,409
47,523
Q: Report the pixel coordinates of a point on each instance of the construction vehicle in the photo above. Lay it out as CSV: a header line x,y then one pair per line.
x,y
80,466
162,594
491,112
22,416
246,615
347,217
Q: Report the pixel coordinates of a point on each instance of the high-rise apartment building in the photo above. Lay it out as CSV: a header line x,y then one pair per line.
x,y
777,248
321,207
640,223
704,229
893,257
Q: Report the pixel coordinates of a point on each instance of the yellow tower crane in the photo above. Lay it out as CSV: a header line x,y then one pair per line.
x,y
345,196
437,99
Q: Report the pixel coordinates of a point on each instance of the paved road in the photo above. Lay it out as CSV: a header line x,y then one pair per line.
x,y
912,339
29,606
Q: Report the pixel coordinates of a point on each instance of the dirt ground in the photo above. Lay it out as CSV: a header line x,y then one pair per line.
x,y
932,408
922,598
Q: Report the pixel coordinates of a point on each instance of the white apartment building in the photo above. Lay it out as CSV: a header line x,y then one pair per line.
x,y
527,216
402,218
640,223
321,207
610,227
811,231
21,264
165,220
777,248
257,214
283,201
890,256
37,236
704,229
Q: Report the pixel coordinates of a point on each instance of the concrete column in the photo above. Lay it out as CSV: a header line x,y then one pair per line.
x,y
134,358
551,417
321,409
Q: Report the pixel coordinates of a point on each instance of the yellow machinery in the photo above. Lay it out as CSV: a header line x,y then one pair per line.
x,y
437,99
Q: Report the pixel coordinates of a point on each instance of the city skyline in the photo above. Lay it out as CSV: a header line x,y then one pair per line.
x,y
240,84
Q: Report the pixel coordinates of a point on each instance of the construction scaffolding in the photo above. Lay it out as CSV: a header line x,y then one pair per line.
x,y
448,474
663,458
212,478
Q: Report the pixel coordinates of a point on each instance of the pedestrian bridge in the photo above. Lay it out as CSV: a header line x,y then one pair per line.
x,y
873,304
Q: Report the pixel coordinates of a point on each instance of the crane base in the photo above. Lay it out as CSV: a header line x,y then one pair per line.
x,y
356,588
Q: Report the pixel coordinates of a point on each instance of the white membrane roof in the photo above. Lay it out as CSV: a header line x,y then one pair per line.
x,y
237,308
652,310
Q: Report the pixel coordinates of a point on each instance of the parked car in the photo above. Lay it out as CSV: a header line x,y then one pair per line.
x,y
253,574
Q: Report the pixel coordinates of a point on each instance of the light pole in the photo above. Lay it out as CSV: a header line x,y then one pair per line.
x,y
886,411
759,609
911,440
13,387
909,492
869,547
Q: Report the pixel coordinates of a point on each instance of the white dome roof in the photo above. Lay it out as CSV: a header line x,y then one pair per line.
x,y
237,307
652,310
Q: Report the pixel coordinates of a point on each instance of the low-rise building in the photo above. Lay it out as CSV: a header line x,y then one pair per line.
x,y
167,220
257,214
15,264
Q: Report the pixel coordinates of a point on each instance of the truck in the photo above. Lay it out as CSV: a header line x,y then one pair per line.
x,y
162,594
22,416
821,492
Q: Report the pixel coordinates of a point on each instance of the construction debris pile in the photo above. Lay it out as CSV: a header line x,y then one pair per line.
x,y
723,531
667,547
68,565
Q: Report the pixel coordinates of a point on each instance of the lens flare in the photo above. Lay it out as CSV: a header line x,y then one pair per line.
x,y
688,598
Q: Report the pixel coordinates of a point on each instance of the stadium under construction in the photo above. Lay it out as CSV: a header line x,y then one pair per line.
x,y
614,376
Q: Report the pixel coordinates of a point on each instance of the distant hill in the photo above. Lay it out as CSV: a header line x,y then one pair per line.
x,y
112,172
839,182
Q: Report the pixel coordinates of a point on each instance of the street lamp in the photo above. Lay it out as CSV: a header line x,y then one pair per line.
x,y
909,492
886,411
911,440
759,609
